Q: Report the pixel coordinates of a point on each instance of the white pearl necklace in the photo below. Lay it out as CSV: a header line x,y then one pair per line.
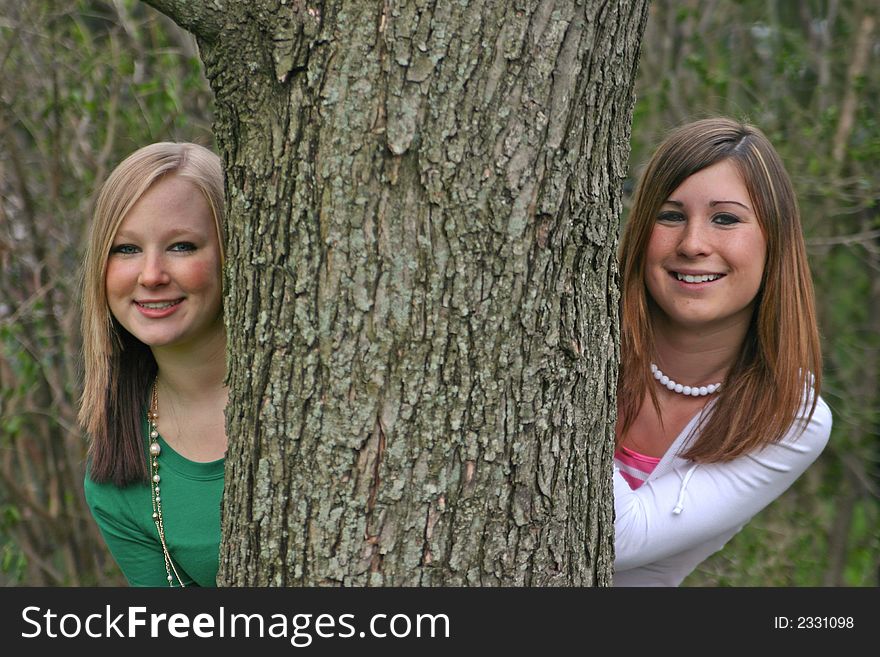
x,y
155,450
693,391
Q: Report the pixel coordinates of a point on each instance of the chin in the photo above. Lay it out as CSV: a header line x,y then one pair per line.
x,y
157,338
154,342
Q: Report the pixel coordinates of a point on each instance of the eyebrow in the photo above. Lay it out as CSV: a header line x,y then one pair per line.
x,y
712,204
174,233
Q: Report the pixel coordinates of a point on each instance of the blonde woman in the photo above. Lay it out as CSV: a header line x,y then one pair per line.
x,y
154,359
718,400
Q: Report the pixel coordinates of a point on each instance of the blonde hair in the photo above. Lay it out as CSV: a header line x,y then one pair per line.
x,y
780,357
117,366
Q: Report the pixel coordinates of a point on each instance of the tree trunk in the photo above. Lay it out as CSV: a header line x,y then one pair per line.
x,y
421,287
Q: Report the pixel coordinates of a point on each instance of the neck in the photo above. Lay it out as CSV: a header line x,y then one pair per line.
x,y
697,357
193,372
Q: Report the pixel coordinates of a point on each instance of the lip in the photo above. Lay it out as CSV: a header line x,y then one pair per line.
x,y
158,313
695,272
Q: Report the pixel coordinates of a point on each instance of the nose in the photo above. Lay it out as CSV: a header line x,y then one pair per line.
x,y
694,241
153,273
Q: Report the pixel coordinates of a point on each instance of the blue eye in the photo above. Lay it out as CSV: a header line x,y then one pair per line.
x,y
124,249
183,246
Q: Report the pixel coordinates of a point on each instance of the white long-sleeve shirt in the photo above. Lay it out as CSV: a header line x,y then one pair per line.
x,y
685,512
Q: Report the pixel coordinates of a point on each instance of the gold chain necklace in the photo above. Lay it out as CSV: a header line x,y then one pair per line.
x,y
155,450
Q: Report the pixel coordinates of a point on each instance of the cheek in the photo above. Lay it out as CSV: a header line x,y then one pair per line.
x,y
660,244
654,256
753,255
118,279
201,276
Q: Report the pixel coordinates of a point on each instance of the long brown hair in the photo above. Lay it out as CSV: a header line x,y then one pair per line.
x,y
780,360
118,367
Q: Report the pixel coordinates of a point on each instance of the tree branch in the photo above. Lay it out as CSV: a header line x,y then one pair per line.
x,y
203,18
864,237
850,100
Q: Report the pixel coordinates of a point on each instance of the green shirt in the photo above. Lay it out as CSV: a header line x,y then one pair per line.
x,y
191,493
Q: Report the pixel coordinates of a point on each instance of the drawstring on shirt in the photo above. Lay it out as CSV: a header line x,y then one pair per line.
x,y
679,504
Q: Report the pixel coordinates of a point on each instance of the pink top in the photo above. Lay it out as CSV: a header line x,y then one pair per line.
x,y
634,467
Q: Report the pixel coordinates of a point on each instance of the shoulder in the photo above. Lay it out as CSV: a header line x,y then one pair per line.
x,y
804,441
108,497
812,426
93,490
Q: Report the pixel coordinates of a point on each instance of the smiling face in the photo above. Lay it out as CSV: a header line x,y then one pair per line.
x,y
706,254
163,271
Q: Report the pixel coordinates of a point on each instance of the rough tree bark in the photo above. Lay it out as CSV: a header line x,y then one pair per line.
x,y
421,286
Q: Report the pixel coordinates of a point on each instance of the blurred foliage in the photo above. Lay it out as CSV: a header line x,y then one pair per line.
x,y
82,84
808,74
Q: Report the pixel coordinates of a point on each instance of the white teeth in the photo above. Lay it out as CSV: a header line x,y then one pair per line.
x,y
702,278
158,306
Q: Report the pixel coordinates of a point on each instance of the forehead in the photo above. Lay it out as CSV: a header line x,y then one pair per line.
x,y
720,181
171,204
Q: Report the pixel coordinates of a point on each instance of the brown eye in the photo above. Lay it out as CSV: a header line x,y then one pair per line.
x,y
726,219
670,216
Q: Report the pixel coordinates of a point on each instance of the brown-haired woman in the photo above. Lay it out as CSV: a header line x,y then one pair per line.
x,y
154,338
718,399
